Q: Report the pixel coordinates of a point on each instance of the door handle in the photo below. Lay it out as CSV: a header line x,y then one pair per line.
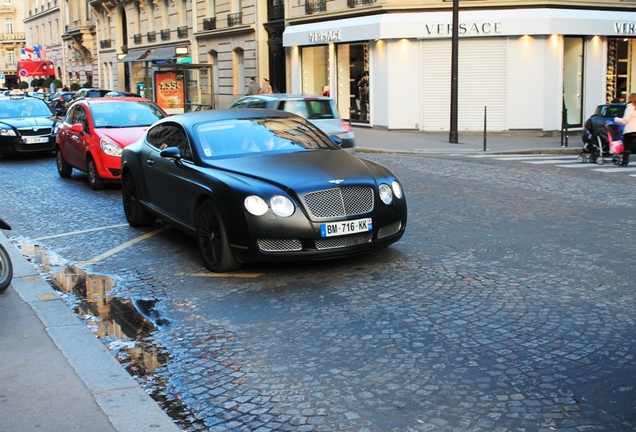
x,y
150,161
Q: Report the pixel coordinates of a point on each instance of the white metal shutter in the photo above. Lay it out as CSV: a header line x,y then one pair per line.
x,y
481,82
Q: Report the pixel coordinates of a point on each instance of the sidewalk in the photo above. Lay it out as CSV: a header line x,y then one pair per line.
x,y
56,376
371,139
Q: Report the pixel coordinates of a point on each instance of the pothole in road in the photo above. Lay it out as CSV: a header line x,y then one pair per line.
x,y
125,325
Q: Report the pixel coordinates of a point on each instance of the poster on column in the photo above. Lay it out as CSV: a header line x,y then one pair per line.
x,y
169,91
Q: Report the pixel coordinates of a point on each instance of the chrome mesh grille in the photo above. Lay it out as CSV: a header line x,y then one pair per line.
x,y
344,241
38,132
339,202
279,245
389,229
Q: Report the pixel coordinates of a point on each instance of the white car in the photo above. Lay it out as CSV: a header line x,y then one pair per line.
x,y
319,110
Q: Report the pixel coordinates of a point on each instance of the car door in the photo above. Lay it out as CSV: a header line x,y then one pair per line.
x,y
168,182
75,147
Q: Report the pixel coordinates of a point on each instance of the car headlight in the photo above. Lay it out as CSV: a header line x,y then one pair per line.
x,y
7,132
282,206
397,189
255,205
110,148
386,195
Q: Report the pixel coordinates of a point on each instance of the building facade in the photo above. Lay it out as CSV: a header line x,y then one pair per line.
x,y
522,65
13,39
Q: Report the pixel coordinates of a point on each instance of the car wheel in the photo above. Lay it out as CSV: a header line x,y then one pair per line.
x,y
94,180
136,214
63,168
212,239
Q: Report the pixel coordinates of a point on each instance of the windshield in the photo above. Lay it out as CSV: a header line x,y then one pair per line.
x,y
26,107
125,114
232,138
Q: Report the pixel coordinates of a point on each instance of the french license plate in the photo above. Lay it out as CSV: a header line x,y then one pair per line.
x,y
35,140
346,227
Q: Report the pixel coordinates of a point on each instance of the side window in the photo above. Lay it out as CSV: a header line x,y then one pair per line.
x,y
297,107
169,135
257,103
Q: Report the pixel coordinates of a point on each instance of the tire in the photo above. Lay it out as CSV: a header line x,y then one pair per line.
x,y
136,215
63,168
94,180
212,240
6,269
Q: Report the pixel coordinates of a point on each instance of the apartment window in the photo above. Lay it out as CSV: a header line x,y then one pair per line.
x,y
238,71
11,58
8,25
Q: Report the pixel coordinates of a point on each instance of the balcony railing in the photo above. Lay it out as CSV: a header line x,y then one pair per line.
x,y
209,23
152,36
165,34
137,38
312,6
182,31
234,19
354,3
275,12
105,43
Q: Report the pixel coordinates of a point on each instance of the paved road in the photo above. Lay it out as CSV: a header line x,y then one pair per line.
x,y
508,305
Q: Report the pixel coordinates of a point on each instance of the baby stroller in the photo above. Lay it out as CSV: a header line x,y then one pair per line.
x,y
598,133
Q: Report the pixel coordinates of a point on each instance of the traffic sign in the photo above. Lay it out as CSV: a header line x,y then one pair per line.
x,y
23,73
1,75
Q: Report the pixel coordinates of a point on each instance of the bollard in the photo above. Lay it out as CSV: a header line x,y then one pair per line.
x,y
485,117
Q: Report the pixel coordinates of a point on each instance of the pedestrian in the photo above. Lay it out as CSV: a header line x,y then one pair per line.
x,y
253,87
629,133
363,91
266,88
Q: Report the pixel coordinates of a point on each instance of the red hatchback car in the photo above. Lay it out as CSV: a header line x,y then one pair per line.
x,y
95,131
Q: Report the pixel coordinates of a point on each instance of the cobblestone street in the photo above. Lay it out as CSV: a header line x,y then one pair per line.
x,y
508,306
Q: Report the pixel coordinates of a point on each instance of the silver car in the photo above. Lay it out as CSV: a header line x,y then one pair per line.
x,y
319,110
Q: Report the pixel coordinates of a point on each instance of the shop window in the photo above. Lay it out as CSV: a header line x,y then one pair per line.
x,y
618,61
315,69
573,79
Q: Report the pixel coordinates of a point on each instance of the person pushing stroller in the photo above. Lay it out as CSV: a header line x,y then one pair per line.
x,y
629,133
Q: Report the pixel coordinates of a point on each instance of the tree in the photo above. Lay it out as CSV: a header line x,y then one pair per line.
x,y
36,82
47,83
23,85
58,84
75,86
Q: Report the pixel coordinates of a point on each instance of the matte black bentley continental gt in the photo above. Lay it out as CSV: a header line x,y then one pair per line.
x,y
259,185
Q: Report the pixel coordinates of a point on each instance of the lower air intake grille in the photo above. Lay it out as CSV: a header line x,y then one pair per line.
x,y
390,229
344,241
279,245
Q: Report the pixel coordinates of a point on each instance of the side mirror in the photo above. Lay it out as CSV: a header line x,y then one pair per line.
x,y
172,153
59,112
77,127
336,140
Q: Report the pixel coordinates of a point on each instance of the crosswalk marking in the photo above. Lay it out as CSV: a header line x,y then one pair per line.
x,y
562,161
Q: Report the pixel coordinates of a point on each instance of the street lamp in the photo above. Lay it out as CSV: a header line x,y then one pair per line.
x,y
452,136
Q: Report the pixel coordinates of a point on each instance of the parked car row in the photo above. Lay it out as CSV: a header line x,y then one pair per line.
x,y
249,184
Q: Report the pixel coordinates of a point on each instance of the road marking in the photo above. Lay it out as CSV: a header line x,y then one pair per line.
x,y
577,165
81,232
123,246
227,275
547,161
614,170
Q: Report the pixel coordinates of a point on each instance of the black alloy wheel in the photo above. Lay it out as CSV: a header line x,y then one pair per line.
x,y
94,180
63,168
212,239
136,214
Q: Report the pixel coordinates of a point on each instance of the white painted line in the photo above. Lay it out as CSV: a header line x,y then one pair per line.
x,y
548,161
578,165
81,232
123,246
615,170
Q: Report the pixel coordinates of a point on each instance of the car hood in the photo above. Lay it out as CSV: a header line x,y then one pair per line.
x,y
122,136
29,122
310,170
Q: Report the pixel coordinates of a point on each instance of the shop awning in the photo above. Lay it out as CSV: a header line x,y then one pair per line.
x,y
163,53
134,55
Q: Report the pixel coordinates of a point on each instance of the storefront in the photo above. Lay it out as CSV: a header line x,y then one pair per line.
x,y
524,67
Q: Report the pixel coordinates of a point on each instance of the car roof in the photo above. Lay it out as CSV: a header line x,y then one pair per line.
x,y
278,96
110,99
192,118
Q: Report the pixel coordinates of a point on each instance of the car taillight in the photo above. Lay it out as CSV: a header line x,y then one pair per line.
x,y
345,126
